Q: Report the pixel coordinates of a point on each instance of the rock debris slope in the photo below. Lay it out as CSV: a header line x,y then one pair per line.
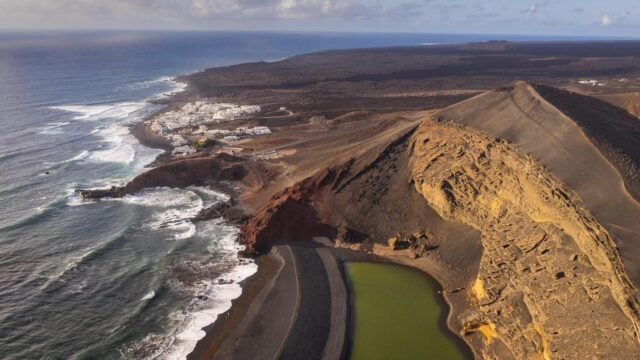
x,y
550,282
594,149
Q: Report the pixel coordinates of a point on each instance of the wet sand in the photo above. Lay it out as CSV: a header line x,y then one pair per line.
x,y
148,138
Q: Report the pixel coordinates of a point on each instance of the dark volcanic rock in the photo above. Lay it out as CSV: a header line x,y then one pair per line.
x,y
179,174
215,211
183,173
94,194
348,235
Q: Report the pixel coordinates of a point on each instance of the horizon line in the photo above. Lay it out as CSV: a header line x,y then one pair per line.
x,y
291,31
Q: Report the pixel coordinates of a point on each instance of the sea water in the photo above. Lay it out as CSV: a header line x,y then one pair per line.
x,y
124,278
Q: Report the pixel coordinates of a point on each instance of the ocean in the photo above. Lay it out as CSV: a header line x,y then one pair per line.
x,y
126,278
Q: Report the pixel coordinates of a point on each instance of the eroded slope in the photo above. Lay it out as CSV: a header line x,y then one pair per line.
x,y
570,149
551,283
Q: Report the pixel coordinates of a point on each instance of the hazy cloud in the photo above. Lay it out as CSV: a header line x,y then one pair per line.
x,y
210,9
295,9
535,8
473,16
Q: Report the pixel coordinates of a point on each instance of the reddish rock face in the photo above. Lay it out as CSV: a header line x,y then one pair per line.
x,y
290,215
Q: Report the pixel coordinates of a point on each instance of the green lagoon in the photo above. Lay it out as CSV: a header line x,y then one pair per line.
x,y
397,315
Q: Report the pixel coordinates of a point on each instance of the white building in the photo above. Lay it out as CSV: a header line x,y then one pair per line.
x,y
258,130
183,151
177,140
215,132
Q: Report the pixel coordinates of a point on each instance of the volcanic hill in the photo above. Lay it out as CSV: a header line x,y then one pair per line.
x,y
522,201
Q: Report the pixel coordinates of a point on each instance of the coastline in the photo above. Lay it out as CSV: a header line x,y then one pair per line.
x,y
347,147
147,138
266,266
226,326
233,326
216,333
331,153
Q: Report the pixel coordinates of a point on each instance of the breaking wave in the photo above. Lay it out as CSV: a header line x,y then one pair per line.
x,y
175,208
102,111
211,298
81,156
53,128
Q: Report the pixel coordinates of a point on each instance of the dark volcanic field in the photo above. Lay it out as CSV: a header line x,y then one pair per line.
x,y
423,77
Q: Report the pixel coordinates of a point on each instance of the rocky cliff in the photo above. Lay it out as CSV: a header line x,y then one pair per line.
x,y
550,281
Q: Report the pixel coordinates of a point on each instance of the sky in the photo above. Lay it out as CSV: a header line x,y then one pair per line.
x,y
559,17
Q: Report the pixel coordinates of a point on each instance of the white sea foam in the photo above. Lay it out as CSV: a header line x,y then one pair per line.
x,y
119,110
58,124
147,84
220,297
84,111
81,156
53,128
120,145
177,88
97,130
53,204
75,200
209,196
211,297
176,208
277,59
150,295
218,294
